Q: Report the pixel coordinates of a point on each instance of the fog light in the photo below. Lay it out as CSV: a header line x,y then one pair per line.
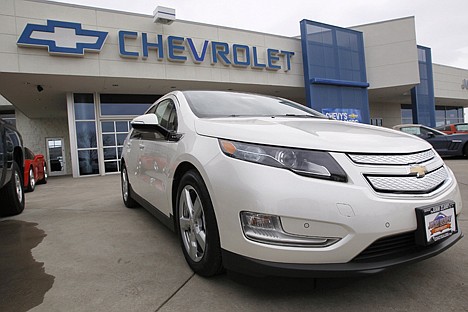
x,y
267,229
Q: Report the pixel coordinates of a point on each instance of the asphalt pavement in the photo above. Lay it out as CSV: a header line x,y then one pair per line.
x,y
77,248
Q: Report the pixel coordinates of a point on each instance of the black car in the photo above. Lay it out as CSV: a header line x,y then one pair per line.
x,y
11,171
444,144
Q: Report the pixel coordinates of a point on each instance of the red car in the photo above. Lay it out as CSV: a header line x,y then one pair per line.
x,y
454,128
35,169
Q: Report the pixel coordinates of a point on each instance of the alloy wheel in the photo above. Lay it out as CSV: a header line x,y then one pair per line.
x,y
192,223
18,187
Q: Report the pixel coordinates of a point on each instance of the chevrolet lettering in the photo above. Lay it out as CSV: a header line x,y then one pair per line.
x,y
71,39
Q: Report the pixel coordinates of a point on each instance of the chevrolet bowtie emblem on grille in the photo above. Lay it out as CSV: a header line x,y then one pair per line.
x,y
62,38
419,171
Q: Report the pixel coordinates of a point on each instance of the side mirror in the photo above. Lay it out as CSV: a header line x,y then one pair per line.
x,y
430,134
146,123
147,119
149,123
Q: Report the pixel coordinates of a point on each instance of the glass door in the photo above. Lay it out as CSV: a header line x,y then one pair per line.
x,y
56,157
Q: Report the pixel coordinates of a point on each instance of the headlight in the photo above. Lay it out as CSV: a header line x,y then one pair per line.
x,y
303,162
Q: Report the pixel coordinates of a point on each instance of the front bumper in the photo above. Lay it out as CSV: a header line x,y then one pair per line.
x,y
262,268
310,207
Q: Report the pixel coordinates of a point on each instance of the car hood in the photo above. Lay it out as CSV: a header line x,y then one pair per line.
x,y
317,134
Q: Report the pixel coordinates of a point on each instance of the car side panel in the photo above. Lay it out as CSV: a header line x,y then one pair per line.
x,y
131,152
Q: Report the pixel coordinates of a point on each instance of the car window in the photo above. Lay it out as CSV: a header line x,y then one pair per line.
x,y
151,110
463,127
28,154
412,130
166,114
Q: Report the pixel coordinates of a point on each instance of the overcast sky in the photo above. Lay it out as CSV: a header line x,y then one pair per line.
x,y
440,25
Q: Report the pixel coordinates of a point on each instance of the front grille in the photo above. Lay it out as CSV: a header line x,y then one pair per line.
x,y
389,159
388,248
409,183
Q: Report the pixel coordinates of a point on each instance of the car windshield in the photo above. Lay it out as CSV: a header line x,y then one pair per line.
x,y
213,104
462,127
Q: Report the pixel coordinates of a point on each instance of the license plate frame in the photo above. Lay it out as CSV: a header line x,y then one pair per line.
x,y
436,222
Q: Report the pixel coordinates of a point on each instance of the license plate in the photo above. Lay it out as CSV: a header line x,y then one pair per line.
x,y
436,222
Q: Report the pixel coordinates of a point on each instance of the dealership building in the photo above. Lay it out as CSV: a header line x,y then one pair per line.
x,y
72,77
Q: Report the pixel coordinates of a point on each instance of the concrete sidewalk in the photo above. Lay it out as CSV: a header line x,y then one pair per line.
x,y
77,248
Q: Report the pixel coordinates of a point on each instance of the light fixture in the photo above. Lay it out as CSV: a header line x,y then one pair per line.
x,y
163,15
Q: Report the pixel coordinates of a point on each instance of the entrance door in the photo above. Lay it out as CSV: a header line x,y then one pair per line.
x,y
56,156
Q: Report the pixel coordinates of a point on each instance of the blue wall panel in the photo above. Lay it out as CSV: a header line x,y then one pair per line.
x,y
334,69
422,96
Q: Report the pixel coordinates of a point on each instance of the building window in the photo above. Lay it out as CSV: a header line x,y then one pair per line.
x,y
446,115
334,68
116,112
114,133
125,104
406,114
85,125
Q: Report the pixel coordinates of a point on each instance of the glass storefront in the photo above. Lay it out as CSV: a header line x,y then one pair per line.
x,y
102,123
114,133
86,139
406,114
446,115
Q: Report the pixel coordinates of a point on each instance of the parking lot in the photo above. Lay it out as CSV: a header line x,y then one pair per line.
x,y
77,248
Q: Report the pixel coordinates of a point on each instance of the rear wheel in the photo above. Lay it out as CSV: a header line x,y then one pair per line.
x,y
31,180
44,177
126,189
12,194
197,226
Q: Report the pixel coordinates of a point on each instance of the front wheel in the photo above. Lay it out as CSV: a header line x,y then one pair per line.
x,y
126,189
197,226
12,194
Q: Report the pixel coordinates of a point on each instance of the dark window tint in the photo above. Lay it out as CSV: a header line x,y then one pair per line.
x,y
88,162
28,154
86,134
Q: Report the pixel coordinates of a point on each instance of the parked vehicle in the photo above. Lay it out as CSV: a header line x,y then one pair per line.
x,y
454,128
35,169
266,186
444,144
11,171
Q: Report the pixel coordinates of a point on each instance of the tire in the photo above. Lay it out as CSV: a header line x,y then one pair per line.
x,y
127,189
12,194
197,227
45,176
31,180
465,150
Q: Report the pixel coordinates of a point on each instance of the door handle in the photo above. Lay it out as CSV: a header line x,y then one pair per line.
x,y
142,146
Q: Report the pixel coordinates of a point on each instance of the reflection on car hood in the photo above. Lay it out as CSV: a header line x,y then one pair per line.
x,y
318,134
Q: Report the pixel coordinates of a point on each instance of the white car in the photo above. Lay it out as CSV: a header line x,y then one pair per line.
x,y
266,186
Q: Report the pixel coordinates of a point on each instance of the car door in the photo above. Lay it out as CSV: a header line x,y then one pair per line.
x,y
437,140
157,153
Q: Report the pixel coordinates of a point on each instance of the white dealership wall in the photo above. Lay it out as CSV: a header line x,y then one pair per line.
x,y
390,52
